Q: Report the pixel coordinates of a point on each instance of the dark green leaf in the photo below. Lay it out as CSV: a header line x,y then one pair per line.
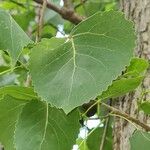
x,y
41,127
95,53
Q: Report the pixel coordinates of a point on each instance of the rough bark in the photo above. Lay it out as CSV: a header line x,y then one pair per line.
x,y
139,12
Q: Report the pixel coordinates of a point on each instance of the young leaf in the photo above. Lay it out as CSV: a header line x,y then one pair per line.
x,y
137,67
140,141
125,85
77,71
10,109
13,38
23,93
121,87
145,106
41,127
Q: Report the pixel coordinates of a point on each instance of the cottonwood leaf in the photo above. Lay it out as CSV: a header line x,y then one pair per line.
x,y
10,109
145,106
133,79
41,127
121,87
81,68
22,93
137,67
12,38
140,140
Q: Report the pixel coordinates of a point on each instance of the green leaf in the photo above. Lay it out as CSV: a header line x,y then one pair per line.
x,y
121,87
22,93
41,127
137,67
140,141
94,139
132,81
145,106
10,108
82,67
14,38
24,23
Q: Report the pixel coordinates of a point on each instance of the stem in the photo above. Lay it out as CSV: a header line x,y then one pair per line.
x,y
65,13
125,115
9,70
104,134
40,25
17,3
78,5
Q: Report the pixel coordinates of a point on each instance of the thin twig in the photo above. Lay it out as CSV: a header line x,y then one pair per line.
x,y
65,13
104,134
78,5
53,26
105,127
40,24
17,3
128,117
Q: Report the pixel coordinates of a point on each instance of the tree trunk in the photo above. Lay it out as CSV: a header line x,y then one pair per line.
x,y
139,12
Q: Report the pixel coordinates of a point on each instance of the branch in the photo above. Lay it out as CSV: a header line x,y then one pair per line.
x,y
65,13
125,115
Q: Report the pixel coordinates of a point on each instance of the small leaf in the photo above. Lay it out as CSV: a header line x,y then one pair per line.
x,y
145,106
10,109
41,127
137,67
82,67
121,87
22,93
140,141
125,85
13,38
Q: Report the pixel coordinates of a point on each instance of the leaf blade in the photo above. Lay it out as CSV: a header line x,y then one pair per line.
x,y
14,38
41,127
75,71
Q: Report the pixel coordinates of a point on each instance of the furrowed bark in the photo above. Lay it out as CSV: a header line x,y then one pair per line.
x,y
139,12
